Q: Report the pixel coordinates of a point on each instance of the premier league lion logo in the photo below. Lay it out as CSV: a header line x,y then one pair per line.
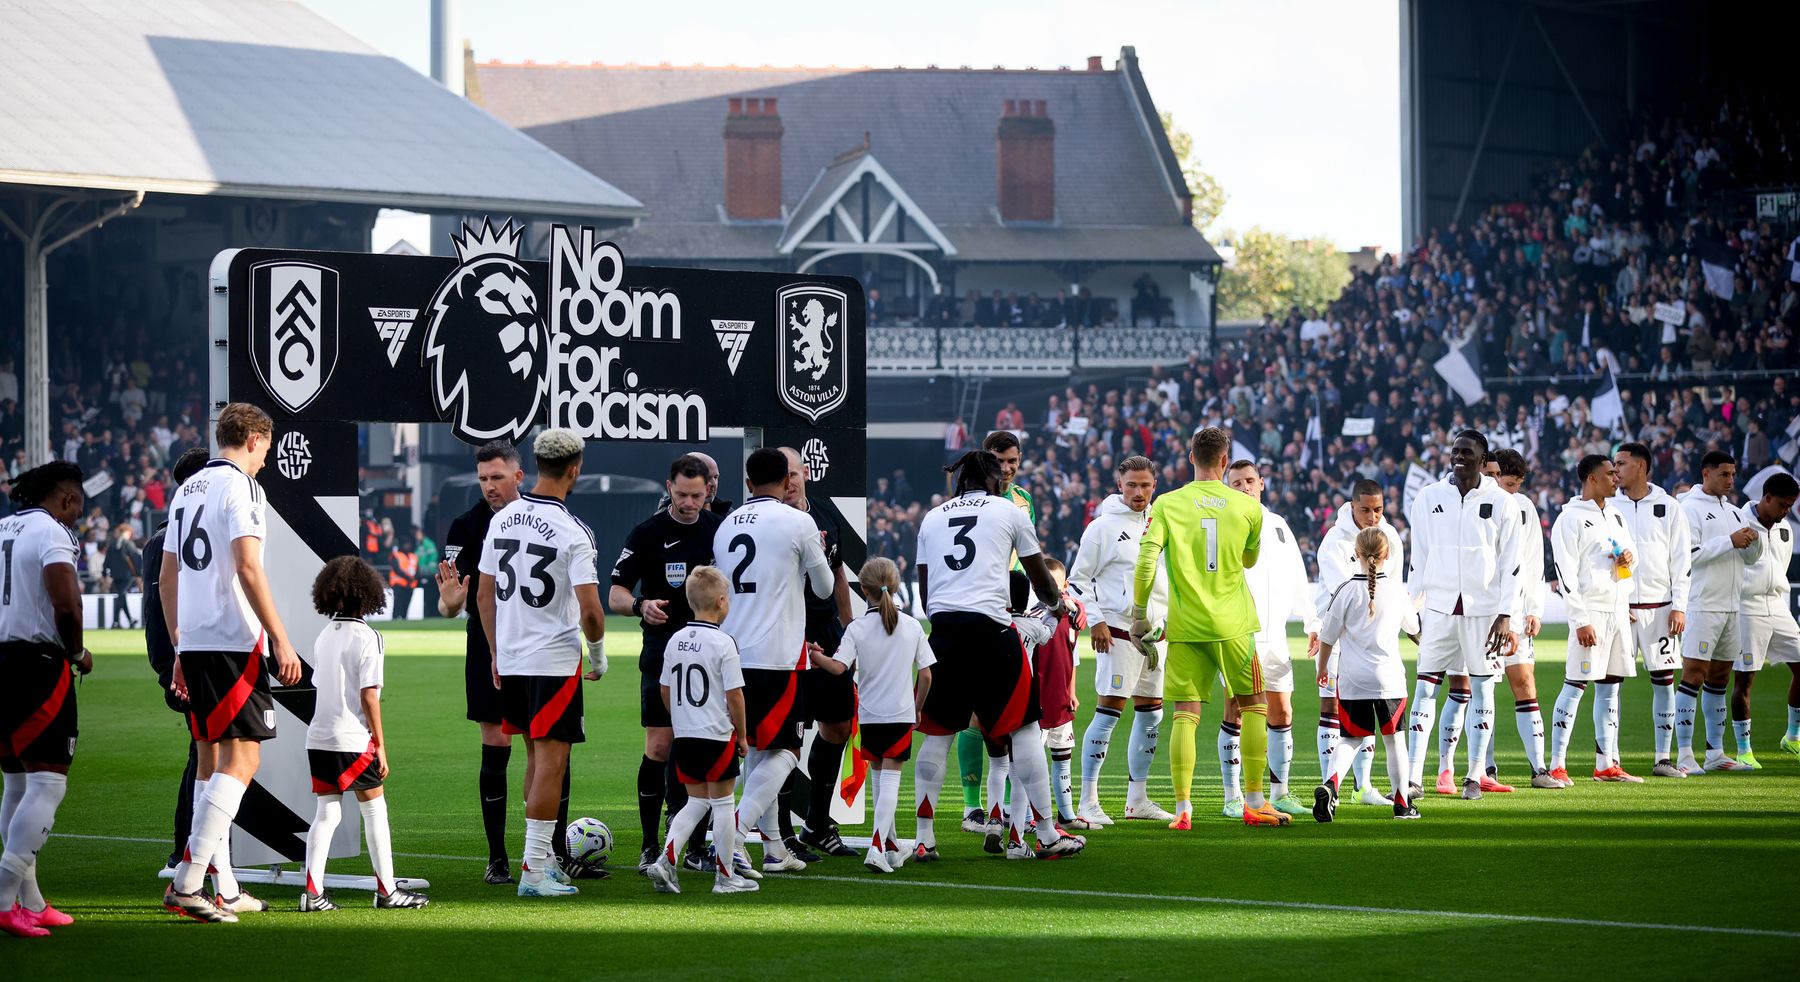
x,y
485,342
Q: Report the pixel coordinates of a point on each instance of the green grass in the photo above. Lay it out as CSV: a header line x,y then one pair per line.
x,y
1718,851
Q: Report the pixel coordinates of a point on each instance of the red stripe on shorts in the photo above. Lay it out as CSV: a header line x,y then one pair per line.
x,y
35,724
770,725
235,698
553,710
1392,725
718,768
1013,716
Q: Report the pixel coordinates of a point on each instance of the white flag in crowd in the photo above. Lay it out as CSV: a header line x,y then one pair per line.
x,y
1608,408
1716,261
1417,479
1458,370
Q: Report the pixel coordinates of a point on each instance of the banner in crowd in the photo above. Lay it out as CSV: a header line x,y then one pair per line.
x,y
495,344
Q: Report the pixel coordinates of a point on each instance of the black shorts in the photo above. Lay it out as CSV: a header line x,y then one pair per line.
x,y
886,741
228,695
773,708
478,689
1359,718
698,759
37,703
543,707
828,698
338,771
651,711
982,671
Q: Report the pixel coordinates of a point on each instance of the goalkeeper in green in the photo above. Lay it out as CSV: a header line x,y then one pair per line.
x,y
1211,534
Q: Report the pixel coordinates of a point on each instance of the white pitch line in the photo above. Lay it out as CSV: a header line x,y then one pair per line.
x,y
1459,915
1302,905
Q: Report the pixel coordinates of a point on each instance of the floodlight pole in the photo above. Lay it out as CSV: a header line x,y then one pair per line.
x,y
36,383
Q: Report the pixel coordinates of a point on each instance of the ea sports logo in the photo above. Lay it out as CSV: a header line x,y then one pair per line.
x,y
485,342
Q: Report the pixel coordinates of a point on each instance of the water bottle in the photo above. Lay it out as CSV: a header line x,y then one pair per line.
x,y
1618,554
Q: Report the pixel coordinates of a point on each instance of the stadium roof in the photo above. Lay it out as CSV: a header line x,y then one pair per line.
x,y
659,132
257,98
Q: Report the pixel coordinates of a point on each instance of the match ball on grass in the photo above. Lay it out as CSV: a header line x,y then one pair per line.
x,y
590,841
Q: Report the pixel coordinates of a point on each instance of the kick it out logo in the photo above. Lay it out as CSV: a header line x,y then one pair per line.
x,y
596,326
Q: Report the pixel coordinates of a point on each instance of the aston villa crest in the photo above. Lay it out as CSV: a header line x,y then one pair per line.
x,y
812,370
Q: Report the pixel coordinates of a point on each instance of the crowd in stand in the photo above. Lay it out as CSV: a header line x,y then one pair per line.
x,y
1616,261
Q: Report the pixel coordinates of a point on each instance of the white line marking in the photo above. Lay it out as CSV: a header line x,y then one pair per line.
x,y
1459,915
1301,905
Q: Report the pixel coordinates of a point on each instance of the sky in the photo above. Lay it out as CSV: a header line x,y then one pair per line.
x,y
1294,104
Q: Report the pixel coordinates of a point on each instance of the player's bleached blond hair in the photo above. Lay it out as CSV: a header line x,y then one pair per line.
x,y
556,444
705,585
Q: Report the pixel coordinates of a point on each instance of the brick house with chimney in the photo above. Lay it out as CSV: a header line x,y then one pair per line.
x,y
927,184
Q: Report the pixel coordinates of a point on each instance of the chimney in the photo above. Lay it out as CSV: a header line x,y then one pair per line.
x,y
1094,63
1026,161
752,159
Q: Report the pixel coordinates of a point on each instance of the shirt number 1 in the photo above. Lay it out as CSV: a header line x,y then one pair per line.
x,y
1210,528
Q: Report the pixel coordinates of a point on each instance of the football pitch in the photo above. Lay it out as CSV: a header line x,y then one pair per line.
x,y
1664,879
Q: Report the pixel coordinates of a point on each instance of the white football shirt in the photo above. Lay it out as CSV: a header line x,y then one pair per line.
x,y
212,509
884,666
30,542
346,660
770,552
1365,653
966,546
538,554
700,665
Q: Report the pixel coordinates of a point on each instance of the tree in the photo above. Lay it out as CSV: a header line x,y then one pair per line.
x,y
1272,273
1209,195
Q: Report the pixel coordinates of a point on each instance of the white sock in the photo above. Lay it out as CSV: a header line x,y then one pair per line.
x,y
1424,717
1662,713
759,802
1281,752
212,823
1605,694
1450,727
224,875
1687,704
724,832
1231,760
538,833
326,815
1568,706
1146,730
1034,778
1059,783
1343,757
1741,728
1363,761
380,840
1325,740
33,818
887,799
1712,706
1396,764
9,803
1481,723
1094,745
928,781
999,769
1530,721
683,824
1136,791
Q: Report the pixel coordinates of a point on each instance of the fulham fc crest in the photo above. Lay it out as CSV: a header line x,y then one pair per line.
x,y
812,373
294,329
